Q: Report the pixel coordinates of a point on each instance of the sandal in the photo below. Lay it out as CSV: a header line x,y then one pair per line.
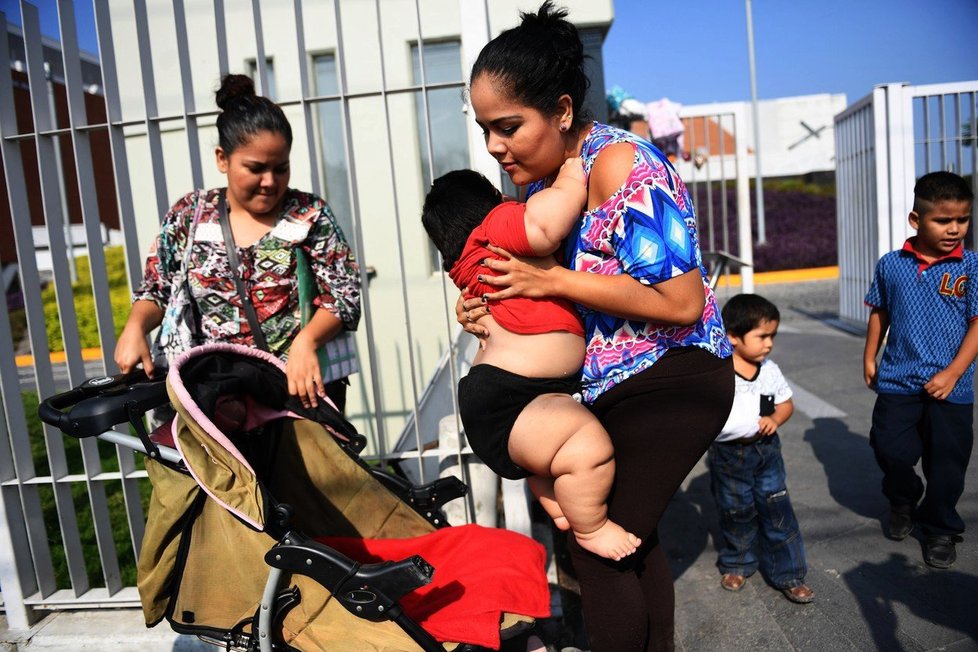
x,y
732,581
800,594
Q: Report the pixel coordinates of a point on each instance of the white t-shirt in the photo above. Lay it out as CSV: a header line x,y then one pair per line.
x,y
746,411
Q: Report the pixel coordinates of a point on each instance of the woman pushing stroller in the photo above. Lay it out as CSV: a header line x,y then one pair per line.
x,y
224,267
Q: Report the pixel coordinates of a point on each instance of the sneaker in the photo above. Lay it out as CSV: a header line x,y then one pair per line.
x,y
939,551
900,524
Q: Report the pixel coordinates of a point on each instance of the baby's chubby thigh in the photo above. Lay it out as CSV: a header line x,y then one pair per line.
x,y
555,435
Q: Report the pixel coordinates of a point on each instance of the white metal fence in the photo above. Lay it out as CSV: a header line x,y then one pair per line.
x,y
884,142
718,178
374,97
71,513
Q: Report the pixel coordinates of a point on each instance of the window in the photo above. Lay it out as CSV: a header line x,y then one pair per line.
x,y
449,138
271,92
333,163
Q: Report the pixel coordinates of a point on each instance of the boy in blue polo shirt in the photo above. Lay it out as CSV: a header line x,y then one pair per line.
x,y
922,295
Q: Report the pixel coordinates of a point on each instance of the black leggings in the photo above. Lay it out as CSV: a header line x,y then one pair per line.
x,y
661,421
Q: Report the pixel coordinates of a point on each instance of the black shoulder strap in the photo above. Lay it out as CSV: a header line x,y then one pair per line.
x,y
249,309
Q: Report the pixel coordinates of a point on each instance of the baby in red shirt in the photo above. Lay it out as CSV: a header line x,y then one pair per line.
x,y
517,403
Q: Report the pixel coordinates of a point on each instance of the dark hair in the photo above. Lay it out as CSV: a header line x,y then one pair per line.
x,y
244,114
537,61
744,312
939,186
457,203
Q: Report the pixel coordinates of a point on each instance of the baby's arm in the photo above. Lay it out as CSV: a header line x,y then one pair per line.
x,y
879,322
552,212
943,382
782,412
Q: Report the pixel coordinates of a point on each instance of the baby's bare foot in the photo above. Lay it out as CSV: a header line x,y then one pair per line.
x,y
610,540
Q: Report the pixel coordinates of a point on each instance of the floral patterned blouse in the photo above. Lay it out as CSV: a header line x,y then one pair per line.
x,y
647,229
268,269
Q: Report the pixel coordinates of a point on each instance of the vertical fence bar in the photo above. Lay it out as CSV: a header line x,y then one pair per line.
x,y
446,288
117,145
74,93
474,19
221,38
25,558
54,222
958,136
153,138
926,132
260,63
358,229
881,139
132,254
408,330
187,85
707,120
304,92
745,240
943,130
723,188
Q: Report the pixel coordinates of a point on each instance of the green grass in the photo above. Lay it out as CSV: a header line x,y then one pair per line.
x,y
80,499
119,299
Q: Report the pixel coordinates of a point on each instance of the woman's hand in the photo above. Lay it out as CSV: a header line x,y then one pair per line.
x,y
131,349
468,313
302,371
519,276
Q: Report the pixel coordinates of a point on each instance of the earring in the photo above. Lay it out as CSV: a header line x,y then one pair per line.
x,y
564,126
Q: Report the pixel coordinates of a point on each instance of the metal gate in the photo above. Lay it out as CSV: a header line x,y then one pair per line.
x,y
883,143
375,100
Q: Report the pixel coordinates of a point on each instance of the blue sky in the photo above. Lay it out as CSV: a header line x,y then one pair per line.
x,y
695,51
48,13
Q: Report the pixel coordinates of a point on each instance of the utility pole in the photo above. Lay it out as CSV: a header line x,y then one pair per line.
x,y
758,177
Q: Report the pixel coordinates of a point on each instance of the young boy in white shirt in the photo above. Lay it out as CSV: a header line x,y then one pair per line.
x,y
747,473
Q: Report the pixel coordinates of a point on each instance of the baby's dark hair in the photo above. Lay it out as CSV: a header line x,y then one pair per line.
x,y
537,61
244,114
744,312
457,203
939,186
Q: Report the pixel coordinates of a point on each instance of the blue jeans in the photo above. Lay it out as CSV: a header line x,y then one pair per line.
x,y
758,526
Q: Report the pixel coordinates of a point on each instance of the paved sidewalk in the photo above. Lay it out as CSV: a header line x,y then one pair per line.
x,y
871,593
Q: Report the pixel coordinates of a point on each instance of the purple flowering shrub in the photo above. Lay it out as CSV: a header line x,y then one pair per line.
x,y
800,227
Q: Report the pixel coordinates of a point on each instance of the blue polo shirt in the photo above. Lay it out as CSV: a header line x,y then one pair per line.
x,y
930,306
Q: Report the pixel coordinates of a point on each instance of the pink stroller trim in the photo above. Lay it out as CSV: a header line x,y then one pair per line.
x,y
257,414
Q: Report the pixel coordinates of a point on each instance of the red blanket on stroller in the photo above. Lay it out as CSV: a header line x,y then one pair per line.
x,y
479,574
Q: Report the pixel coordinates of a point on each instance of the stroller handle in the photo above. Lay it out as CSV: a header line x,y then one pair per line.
x,y
102,402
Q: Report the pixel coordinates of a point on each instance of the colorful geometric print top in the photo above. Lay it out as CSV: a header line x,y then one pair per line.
x,y
268,269
930,307
646,229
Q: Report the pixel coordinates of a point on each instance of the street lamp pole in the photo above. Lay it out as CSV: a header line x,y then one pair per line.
x,y
758,177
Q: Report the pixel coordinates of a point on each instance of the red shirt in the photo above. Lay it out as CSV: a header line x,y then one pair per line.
x,y
504,227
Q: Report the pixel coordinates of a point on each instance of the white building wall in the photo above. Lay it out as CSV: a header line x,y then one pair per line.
x,y
409,303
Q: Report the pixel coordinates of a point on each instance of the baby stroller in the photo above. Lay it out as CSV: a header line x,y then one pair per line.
x,y
266,531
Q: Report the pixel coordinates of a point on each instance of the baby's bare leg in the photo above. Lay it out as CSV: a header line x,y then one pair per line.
x,y
543,488
556,436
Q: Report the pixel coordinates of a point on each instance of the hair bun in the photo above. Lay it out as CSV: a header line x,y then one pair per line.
x,y
554,28
233,88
